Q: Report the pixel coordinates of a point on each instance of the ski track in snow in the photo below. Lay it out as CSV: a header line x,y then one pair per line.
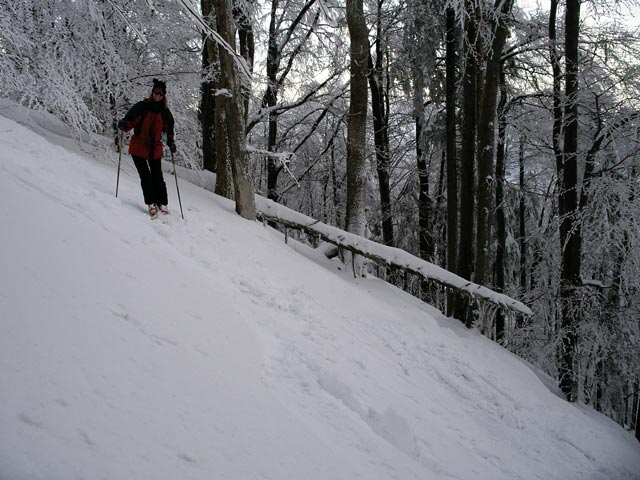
x,y
206,348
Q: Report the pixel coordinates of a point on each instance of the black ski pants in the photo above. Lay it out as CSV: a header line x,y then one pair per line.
x,y
153,187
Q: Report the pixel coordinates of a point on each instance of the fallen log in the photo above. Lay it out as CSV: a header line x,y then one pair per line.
x,y
269,211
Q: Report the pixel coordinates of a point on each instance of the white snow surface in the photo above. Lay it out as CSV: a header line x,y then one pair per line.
x,y
210,349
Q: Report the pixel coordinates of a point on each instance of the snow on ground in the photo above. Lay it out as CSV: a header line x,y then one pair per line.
x,y
209,348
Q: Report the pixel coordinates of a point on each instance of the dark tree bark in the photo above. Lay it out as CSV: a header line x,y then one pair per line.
x,y
223,167
247,46
270,99
244,196
467,173
381,129
568,204
452,157
486,135
207,115
501,217
356,126
207,90
522,231
557,84
425,204
637,409
212,112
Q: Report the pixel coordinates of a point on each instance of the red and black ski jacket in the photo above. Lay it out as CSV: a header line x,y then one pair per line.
x,y
149,119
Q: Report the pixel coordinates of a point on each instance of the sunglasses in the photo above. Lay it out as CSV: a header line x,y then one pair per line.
x,y
158,92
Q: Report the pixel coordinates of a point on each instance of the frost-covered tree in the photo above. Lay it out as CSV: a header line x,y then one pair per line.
x,y
231,81
63,57
356,168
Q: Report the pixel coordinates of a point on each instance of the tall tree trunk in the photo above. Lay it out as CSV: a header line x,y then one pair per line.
x,y
556,70
427,235
381,129
212,112
522,231
570,229
440,237
636,406
467,174
223,167
247,45
334,187
486,140
207,116
356,125
207,90
270,99
501,231
244,196
425,204
452,157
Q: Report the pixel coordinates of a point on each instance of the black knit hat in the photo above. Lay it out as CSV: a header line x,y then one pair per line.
x,y
159,85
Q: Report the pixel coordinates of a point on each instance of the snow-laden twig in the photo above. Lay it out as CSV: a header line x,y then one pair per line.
x,y
239,60
327,15
282,157
138,33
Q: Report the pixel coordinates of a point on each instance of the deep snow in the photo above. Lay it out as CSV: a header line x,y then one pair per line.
x,y
210,349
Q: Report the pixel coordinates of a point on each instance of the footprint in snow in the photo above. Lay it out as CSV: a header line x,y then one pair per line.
x,y
30,421
250,289
186,458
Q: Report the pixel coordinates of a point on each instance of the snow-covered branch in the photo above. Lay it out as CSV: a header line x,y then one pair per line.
x,y
382,254
238,59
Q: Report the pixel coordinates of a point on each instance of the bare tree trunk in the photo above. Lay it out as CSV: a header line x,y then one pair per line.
x,y
207,101
425,204
557,84
452,157
381,130
244,196
334,187
501,231
223,168
356,179
467,174
636,407
570,228
207,115
568,203
269,101
247,44
486,139
522,218
212,114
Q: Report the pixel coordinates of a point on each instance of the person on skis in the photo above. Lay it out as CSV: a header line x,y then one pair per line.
x,y
149,119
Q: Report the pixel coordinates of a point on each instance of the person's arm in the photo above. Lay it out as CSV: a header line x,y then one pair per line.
x,y
129,120
168,129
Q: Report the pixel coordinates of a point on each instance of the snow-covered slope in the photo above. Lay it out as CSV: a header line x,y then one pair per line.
x,y
210,349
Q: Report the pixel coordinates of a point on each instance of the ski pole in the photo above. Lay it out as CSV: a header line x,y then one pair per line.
x,y
177,189
119,160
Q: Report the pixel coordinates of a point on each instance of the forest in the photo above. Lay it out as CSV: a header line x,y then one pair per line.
x,y
500,141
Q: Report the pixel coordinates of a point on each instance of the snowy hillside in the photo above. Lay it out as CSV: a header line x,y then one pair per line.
x,y
210,349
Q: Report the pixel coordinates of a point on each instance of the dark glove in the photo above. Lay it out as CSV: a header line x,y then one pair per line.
x,y
121,125
172,146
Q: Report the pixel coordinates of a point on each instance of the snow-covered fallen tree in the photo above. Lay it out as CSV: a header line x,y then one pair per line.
x,y
382,254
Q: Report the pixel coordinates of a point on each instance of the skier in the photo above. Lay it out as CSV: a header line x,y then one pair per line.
x,y
149,119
